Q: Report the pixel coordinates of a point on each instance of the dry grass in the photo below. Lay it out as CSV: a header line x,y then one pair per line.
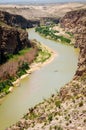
x,y
10,68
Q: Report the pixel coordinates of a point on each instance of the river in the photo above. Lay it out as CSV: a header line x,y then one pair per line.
x,y
41,83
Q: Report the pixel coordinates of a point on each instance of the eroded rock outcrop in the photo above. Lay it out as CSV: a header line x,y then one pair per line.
x,y
11,41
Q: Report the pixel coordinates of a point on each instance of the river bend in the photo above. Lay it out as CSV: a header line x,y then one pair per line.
x,y
41,83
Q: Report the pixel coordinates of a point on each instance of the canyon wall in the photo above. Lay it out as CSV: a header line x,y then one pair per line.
x,y
75,22
12,37
17,20
13,20
11,41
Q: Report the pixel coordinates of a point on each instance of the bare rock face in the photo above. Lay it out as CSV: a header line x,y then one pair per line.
x,y
11,39
75,21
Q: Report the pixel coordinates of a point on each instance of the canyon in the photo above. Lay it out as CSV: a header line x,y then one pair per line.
x,y
66,109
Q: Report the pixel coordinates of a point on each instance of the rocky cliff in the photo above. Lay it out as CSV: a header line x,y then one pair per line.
x,y
75,22
13,20
11,41
17,20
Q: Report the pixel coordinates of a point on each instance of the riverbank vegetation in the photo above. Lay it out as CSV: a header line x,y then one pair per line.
x,y
18,64
53,33
43,54
15,67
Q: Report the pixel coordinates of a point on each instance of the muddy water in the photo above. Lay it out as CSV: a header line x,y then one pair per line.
x,y
41,83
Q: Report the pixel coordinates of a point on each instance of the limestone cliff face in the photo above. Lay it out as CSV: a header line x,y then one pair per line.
x,y
75,21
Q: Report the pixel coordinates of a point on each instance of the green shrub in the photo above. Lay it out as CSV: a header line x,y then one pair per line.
x,y
32,116
25,66
5,85
22,69
81,104
9,56
70,34
47,32
58,103
50,117
21,72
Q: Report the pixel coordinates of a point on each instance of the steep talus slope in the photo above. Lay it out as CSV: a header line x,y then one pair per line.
x,y
65,110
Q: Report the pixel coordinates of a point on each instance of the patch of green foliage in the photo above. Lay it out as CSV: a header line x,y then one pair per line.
x,y
43,55
20,53
22,69
5,85
33,116
70,34
58,103
47,31
50,117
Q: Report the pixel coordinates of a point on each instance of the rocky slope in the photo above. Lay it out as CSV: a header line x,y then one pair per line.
x,y
65,110
75,22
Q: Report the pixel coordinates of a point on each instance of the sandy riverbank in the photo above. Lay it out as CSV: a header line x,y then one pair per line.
x,y
34,66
